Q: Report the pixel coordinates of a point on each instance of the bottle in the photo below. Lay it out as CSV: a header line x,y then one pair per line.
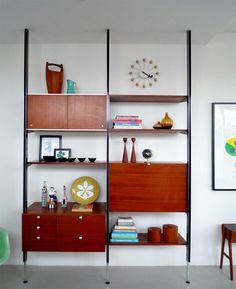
x,y
44,196
64,198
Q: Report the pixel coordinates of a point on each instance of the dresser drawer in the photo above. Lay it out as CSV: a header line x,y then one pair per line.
x,y
38,219
40,242
81,243
67,225
39,230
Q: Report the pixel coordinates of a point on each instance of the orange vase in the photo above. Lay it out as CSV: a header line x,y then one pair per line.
x,y
54,78
167,122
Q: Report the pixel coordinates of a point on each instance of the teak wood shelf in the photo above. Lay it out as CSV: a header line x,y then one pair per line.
x,y
143,241
75,163
150,130
148,98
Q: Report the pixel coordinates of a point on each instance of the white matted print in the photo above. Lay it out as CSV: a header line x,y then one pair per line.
x,y
224,146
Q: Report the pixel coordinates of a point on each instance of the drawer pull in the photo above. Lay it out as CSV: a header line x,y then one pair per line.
x,y
38,227
38,237
80,237
80,217
38,217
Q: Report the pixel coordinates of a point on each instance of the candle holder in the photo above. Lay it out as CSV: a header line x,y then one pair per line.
x,y
133,156
125,156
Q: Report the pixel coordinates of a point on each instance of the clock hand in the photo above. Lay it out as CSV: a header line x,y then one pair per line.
x,y
148,75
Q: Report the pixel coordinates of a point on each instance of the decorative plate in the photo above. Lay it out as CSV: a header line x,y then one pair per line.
x,y
85,190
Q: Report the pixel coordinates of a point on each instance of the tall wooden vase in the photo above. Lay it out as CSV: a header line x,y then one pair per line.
x,y
54,78
133,156
125,156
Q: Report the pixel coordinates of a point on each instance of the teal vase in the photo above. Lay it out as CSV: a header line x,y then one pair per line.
x,y
70,86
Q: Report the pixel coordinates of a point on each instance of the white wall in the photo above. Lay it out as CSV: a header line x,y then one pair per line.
x,y
213,74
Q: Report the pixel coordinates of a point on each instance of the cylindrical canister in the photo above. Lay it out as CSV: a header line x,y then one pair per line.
x,y
170,233
154,235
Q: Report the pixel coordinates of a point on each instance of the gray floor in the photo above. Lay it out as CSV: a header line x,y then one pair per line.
x,y
60,277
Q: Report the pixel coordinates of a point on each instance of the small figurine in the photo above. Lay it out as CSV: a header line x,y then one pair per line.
x,y
53,195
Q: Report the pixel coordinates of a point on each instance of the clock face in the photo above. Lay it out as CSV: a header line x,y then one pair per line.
x,y
143,73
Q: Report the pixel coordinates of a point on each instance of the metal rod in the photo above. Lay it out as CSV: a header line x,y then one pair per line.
x,y
25,152
107,274
25,279
107,140
187,273
189,88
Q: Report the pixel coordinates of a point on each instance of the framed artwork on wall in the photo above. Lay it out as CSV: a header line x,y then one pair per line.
x,y
62,153
224,146
47,144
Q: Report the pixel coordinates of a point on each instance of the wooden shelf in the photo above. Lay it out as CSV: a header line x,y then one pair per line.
x,y
66,130
86,163
148,98
150,130
143,241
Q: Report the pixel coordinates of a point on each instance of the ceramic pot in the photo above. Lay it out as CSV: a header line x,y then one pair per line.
x,y
167,122
54,78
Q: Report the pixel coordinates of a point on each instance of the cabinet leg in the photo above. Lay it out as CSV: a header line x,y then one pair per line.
x,y
107,274
231,260
187,273
222,248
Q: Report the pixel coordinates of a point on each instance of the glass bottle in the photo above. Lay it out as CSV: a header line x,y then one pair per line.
x,y
64,198
44,195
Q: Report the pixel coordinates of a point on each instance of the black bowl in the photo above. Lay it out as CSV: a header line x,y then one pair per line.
x,y
71,160
92,160
49,158
81,159
62,159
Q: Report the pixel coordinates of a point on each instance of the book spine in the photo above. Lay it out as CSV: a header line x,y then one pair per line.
x,y
125,224
135,121
127,127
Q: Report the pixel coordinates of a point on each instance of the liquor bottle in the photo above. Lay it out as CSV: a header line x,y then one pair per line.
x,y
64,198
44,195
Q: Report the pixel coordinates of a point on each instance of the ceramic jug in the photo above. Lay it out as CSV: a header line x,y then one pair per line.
x,y
54,77
70,86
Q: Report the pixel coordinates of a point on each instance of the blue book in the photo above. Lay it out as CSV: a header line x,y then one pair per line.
x,y
125,235
125,240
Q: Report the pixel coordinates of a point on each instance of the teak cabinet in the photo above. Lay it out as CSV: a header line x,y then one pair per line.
x,y
139,187
66,111
62,230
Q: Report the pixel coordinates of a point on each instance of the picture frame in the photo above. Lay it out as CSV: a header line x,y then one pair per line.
x,y
224,146
47,144
62,153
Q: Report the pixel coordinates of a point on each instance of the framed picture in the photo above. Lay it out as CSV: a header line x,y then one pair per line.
x,y
224,146
62,153
47,144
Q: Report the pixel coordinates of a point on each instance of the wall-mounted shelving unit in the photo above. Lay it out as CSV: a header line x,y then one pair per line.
x,y
168,193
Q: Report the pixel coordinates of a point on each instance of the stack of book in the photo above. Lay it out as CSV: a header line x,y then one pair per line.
x,y
127,122
124,231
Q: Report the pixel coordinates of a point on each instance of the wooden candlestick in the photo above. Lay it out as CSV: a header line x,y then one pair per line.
x,y
125,156
133,156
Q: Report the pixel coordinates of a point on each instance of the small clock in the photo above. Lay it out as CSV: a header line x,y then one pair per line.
x,y
143,73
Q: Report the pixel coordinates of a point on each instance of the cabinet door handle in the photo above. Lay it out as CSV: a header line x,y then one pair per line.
x,y
38,237
31,125
38,227
38,217
80,237
81,217
102,125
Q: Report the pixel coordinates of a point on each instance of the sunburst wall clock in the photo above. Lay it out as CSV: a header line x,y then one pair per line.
x,y
143,73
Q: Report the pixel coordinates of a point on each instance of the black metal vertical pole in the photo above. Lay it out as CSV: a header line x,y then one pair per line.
x,y
188,253
25,152
107,157
26,62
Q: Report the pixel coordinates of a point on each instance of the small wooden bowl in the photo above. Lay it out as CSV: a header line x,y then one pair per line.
x,y
170,233
154,235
